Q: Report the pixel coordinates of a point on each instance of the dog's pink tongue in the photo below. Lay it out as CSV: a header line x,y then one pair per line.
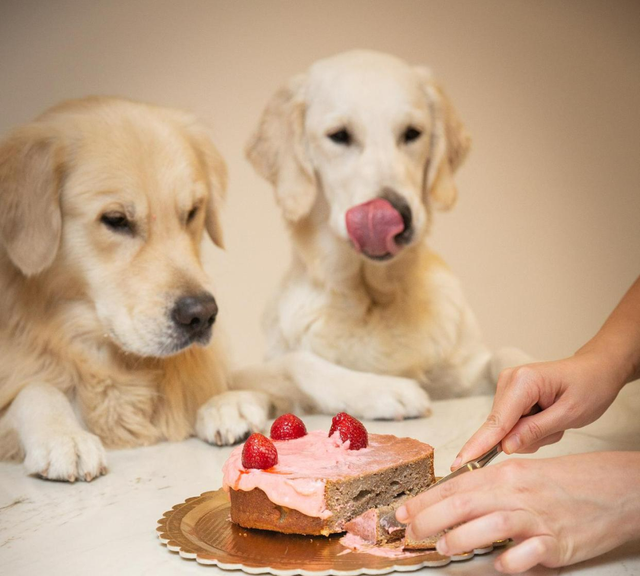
x,y
372,227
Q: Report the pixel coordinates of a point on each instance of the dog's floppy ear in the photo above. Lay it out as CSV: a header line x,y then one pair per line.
x,y
450,143
216,171
277,150
31,173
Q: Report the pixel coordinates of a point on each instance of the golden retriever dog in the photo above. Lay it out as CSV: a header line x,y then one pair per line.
x,y
105,311
360,150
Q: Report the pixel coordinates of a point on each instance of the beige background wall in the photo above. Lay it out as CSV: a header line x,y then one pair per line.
x,y
546,235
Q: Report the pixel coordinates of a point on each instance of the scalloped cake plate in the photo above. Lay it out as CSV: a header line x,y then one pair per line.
x,y
200,529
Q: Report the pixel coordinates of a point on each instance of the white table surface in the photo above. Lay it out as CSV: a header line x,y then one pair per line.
x,y
108,526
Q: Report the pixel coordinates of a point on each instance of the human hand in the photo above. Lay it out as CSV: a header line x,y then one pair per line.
x,y
572,393
559,511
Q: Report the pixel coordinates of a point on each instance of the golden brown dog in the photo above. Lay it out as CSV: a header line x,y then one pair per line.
x,y
105,311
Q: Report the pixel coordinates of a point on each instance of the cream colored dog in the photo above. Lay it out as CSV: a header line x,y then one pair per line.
x,y
105,312
360,150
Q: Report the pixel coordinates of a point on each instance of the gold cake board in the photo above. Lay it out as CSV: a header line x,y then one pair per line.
x,y
200,529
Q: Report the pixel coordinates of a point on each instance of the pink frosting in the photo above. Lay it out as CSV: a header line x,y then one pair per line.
x,y
305,464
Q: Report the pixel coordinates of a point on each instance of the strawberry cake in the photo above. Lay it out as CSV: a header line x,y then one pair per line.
x,y
301,482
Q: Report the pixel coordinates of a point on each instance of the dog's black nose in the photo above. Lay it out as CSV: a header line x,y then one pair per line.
x,y
195,314
402,207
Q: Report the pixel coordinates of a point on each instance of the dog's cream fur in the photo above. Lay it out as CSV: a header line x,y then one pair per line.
x,y
87,356
353,333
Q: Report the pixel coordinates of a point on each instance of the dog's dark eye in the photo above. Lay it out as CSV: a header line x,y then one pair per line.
x,y
117,222
411,134
192,214
341,136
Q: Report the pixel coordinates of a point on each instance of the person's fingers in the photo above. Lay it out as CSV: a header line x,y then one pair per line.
x,y
527,554
486,529
461,507
475,480
551,439
533,429
519,395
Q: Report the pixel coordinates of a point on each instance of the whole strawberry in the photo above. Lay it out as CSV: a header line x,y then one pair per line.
x,y
259,452
350,429
288,427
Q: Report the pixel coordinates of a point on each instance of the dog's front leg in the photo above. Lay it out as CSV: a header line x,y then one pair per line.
x,y
55,445
229,417
304,379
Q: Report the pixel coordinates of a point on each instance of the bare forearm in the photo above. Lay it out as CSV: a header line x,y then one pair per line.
x,y
618,341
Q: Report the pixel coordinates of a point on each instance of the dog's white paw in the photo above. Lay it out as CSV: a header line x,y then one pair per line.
x,y
389,398
230,417
68,454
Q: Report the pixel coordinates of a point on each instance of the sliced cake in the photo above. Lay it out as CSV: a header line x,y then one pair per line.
x,y
317,482
425,543
372,525
376,527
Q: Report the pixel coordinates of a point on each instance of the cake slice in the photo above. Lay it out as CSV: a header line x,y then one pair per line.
x,y
374,527
424,544
319,484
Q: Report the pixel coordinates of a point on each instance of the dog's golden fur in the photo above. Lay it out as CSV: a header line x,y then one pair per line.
x,y
83,309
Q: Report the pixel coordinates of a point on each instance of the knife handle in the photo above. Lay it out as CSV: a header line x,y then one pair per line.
x,y
488,456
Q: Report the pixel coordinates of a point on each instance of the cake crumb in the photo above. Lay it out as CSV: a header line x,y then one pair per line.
x,y
356,544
